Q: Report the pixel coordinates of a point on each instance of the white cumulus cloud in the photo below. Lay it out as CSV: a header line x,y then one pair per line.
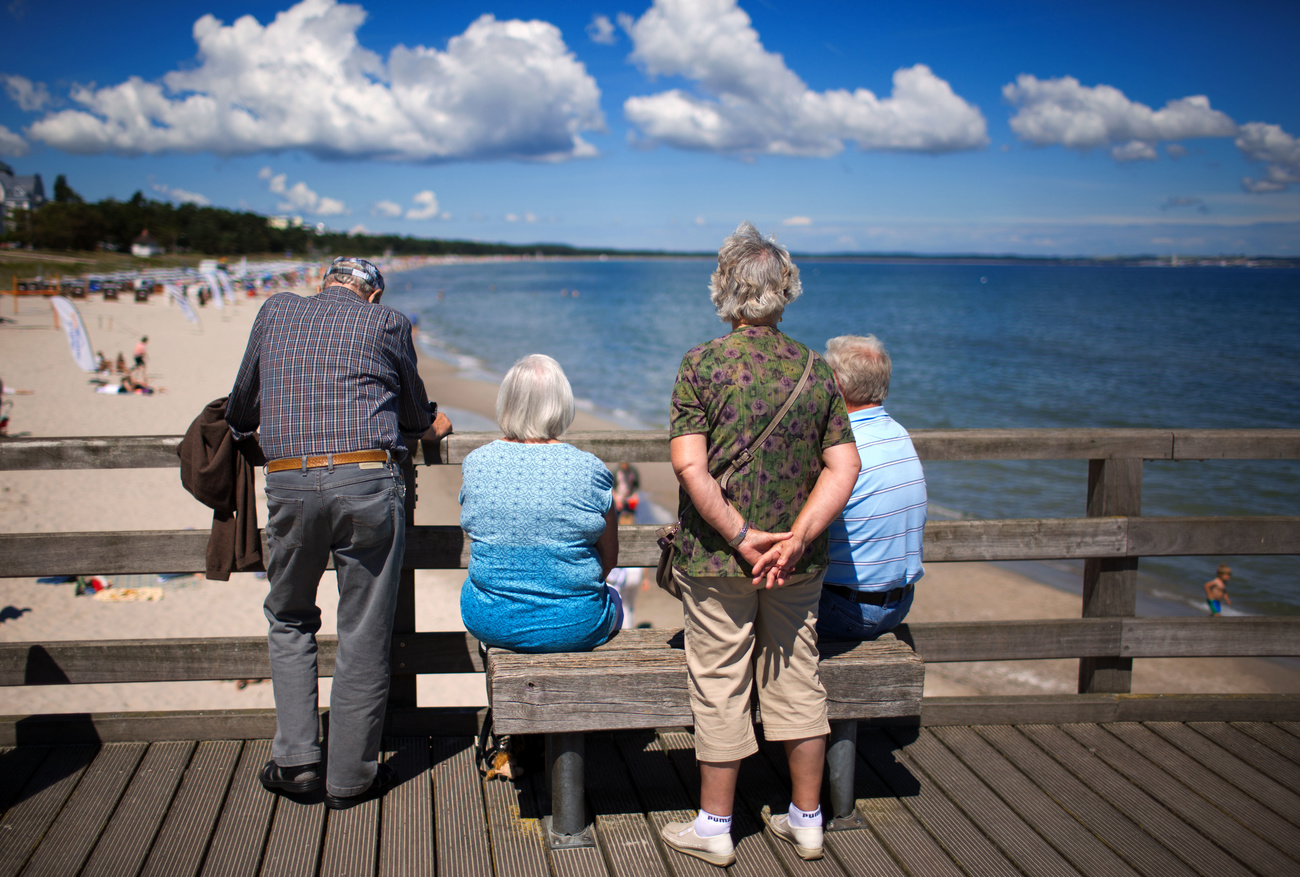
x,y
386,208
30,96
300,196
797,220
426,205
750,102
1065,112
601,30
11,144
1278,150
1134,150
501,89
181,196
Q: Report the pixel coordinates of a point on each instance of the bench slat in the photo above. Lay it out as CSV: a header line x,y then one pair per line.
x,y
645,686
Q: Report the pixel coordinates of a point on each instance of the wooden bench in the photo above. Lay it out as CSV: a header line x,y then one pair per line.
x,y
638,680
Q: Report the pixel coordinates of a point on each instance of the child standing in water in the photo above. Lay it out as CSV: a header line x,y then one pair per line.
x,y
1216,589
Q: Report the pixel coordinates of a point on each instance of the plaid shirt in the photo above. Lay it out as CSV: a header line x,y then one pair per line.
x,y
328,374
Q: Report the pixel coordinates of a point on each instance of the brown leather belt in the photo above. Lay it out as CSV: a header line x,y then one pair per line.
x,y
318,462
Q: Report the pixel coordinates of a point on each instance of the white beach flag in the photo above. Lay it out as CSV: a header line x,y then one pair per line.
x,y
182,302
226,287
215,288
75,329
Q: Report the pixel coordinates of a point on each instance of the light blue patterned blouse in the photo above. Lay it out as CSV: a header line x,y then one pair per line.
x,y
533,514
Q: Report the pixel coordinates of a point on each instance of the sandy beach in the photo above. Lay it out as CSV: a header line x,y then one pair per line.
x,y
193,364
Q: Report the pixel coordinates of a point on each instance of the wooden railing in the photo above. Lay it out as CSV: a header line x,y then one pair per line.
x,y
1106,639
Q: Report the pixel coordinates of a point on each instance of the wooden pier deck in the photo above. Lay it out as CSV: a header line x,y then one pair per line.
x,y
1157,799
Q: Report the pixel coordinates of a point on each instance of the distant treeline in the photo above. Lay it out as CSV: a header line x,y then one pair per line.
x,y
69,223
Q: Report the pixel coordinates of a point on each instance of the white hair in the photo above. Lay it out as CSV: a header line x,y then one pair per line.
x,y
862,367
755,279
535,402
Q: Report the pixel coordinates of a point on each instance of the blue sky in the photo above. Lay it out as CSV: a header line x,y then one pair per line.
x,y
1000,127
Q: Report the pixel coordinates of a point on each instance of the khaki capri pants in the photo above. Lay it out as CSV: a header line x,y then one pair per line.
x,y
737,634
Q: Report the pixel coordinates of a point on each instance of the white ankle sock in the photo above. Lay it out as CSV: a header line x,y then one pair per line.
x,y
708,825
804,818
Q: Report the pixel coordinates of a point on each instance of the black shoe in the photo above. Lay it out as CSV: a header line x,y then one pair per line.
x,y
290,780
385,779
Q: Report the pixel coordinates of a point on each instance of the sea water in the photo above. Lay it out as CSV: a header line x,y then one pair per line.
x,y
973,345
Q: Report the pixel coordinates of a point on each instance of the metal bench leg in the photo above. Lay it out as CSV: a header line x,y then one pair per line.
x,y
841,758
566,827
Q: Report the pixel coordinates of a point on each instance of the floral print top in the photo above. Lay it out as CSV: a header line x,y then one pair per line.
x,y
729,389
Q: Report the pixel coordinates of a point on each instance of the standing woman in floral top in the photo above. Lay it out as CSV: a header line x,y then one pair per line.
x,y
751,561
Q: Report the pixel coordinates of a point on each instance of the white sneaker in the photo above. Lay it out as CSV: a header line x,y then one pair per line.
x,y
681,836
807,842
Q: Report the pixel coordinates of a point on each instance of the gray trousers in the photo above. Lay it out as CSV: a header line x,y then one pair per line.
x,y
358,516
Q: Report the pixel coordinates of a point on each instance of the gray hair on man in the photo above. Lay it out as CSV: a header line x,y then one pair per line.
x,y
862,368
755,278
535,402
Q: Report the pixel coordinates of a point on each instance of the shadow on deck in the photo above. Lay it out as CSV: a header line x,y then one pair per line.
x,y
1152,799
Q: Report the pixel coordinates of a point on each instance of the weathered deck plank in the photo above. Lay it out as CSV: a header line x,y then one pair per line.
x,y
460,829
351,841
1035,808
1273,737
1095,813
69,841
17,764
625,837
39,803
293,848
1209,785
1189,845
1260,786
406,827
517,834
126,841
949,826
192,818
1204,816
1021,843
897,828
982,801
236,849
1251,751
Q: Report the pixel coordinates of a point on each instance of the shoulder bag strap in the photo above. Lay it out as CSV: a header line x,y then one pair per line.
x,y
745,456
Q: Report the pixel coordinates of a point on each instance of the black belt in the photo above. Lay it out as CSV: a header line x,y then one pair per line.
x,y
875,598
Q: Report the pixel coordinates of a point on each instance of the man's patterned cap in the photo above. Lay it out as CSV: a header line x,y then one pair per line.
x,y
358,268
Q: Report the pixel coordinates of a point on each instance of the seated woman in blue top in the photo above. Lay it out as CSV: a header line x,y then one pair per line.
x,y
542,526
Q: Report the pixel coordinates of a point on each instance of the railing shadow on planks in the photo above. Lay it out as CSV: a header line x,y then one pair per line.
x,y
1106,638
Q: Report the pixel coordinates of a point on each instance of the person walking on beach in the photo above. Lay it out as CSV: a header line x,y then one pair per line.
x,y
875,543
332,382
1216,589
141,353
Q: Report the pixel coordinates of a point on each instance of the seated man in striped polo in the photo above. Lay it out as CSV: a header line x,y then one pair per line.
x,y
875,543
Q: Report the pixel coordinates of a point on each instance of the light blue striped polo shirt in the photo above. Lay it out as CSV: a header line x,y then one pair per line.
x,y
875,543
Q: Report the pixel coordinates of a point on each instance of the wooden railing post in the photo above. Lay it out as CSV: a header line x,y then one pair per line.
x,y
401,691
1110,583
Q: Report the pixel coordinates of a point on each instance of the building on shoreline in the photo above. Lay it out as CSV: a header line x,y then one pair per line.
x,y
18,193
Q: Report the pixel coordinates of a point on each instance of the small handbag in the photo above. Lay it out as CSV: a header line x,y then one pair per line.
x,y
667,535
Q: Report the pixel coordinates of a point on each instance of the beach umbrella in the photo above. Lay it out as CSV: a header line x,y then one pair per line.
x,y
70,319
